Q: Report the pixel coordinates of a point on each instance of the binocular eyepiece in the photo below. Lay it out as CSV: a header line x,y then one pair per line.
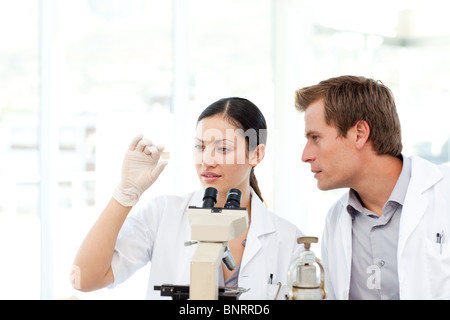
x,y
210,197
233,198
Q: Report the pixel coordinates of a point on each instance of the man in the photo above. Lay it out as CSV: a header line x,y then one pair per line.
x,y
388,236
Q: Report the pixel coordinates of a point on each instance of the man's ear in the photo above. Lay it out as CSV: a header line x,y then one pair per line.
x,y
257,155
362,132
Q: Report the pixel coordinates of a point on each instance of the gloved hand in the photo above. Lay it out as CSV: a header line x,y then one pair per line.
x,y
140,169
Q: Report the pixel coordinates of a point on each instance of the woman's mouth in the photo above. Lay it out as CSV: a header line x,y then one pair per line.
x,y
210,176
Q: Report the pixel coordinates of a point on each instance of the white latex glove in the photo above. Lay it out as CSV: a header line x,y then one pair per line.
x,y
141,167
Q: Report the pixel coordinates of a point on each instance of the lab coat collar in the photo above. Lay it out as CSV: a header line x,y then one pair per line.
x,y
427,173
424,175
197,198
261,225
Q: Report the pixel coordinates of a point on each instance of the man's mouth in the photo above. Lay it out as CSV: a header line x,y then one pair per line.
x,y
316,172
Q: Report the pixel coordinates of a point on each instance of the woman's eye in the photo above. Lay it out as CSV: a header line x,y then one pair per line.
x,y
223,149
198,147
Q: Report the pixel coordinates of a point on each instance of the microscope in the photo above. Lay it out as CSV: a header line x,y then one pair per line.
x,y
211,229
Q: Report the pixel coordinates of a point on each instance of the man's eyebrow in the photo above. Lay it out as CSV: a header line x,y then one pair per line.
x,y
310,133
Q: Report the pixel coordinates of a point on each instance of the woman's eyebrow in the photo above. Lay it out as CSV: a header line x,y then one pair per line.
x,y
215,141
226,140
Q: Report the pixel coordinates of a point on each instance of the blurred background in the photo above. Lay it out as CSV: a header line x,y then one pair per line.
x,y
80,78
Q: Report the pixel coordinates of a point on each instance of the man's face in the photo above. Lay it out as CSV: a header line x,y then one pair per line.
x,y
332,157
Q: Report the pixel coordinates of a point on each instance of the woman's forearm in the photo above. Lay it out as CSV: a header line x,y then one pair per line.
x,y
92,265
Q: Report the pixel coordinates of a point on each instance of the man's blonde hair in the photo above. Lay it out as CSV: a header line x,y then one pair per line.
x,y
349,99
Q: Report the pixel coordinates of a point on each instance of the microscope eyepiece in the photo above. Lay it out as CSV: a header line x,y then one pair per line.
x,y
210,197
233,199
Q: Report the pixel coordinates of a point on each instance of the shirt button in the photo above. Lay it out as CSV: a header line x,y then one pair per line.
x,y
381,263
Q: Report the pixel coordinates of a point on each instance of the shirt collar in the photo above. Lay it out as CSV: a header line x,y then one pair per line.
x,y
398,194
401,187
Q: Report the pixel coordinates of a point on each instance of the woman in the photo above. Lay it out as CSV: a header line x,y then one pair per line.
x,y
230,141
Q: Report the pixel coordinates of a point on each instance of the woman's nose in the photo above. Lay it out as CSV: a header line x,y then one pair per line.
x,y
208,157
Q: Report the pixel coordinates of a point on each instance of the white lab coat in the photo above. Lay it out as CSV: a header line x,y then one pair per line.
x,y
423,272
157,233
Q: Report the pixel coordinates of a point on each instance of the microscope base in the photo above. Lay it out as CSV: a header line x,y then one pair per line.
x,y
178,292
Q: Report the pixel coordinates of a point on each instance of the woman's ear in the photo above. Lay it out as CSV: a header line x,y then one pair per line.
x,y
257,155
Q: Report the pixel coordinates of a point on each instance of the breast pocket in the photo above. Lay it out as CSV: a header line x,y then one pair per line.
x,y
276,291
438,248
438,272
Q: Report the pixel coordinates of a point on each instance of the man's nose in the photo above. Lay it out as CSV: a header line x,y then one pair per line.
x,y
307,155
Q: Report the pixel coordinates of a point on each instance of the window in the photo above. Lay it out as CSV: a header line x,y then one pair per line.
x,y
19,174
80,78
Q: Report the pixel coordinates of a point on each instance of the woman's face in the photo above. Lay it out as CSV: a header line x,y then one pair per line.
x,y
220,155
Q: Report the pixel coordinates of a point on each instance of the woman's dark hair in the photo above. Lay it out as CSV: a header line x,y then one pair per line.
x,y
245,115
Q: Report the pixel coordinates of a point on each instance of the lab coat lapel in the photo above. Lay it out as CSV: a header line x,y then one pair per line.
x,y
261,224
345,227
423,176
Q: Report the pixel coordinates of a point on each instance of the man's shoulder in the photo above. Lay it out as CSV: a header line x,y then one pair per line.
x,y
425,169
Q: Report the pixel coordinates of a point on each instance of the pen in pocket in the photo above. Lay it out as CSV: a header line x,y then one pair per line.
x,y
270,278
440,240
